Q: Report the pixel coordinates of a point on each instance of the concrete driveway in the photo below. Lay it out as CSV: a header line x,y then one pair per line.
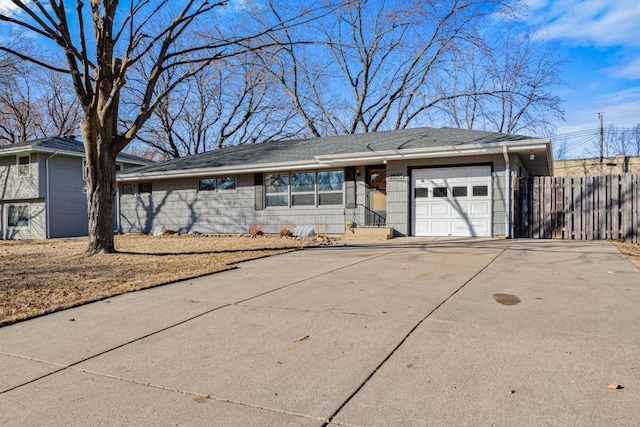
x,y
406,332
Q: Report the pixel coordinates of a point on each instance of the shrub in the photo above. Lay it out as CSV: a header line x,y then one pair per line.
x,y
256,229
286,228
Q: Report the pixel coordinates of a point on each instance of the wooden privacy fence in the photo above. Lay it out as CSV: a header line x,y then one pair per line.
x,y
581,208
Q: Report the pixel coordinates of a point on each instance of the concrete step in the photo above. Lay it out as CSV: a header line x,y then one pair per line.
x,y
373,233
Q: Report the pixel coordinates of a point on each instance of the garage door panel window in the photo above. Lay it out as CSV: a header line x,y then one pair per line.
x,y
421,192
459,191
480,191
439,192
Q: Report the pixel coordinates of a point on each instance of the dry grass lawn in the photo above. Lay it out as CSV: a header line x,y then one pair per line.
x,y
631,250
38,277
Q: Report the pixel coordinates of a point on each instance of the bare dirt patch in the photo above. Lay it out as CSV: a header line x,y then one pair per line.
x,y
39,277
631,250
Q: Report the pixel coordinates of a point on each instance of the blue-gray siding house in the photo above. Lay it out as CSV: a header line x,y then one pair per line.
x,y
42,188
423,181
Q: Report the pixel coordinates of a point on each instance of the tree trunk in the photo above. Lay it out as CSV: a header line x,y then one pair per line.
x,y
101,187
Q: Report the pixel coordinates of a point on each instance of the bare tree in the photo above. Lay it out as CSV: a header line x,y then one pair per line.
x,y
511,81
123,36
635,139
375,65
560,149
227,103
19,115
61,111
525,78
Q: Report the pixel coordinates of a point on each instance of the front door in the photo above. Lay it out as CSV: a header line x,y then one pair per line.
x,y
377,182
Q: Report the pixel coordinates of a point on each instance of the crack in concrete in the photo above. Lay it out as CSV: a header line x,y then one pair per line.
x,y
71,365
329,420
196,394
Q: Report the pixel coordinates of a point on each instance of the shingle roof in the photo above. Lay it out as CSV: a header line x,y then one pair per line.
x,y
306,149
70,145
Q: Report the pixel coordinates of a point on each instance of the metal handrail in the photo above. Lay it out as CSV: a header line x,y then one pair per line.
x,y
371,217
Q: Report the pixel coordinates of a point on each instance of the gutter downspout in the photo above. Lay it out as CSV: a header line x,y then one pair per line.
x,y
507,186
46,200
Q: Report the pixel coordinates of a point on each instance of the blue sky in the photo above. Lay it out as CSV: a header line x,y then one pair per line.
x,y
601,40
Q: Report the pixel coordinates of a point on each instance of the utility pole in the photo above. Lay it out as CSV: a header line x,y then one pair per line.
x,y
601,117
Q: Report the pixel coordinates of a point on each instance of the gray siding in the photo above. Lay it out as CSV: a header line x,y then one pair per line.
x,y
14,187
37,221
399,183
67,200
177,205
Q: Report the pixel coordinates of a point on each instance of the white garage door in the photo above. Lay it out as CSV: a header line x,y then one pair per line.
x,y
452,201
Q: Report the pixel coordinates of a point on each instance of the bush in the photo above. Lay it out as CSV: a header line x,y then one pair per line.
x,y
286,228
256,229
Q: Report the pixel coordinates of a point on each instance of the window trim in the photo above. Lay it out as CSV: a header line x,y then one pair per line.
x,y
19,227
23,156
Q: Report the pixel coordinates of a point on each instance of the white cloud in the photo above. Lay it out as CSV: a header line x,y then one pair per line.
x,y
8,8
630,70
622,108
601,23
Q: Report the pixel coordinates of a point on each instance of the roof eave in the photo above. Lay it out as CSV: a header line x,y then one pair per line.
x,y
31,149
348,159
192,173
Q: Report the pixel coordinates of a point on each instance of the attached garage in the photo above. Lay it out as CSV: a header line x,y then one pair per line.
x,y
451,201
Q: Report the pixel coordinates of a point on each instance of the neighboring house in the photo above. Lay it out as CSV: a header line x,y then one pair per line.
x,y
42,188
423,181
608,166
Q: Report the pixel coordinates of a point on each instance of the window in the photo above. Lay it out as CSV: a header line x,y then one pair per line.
x,y
439,191
306,188
459,191
18,216
84,169
128,189
480,190
330,187
145,187
24,165
226,183
219,184
277,189
207,184
303,189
